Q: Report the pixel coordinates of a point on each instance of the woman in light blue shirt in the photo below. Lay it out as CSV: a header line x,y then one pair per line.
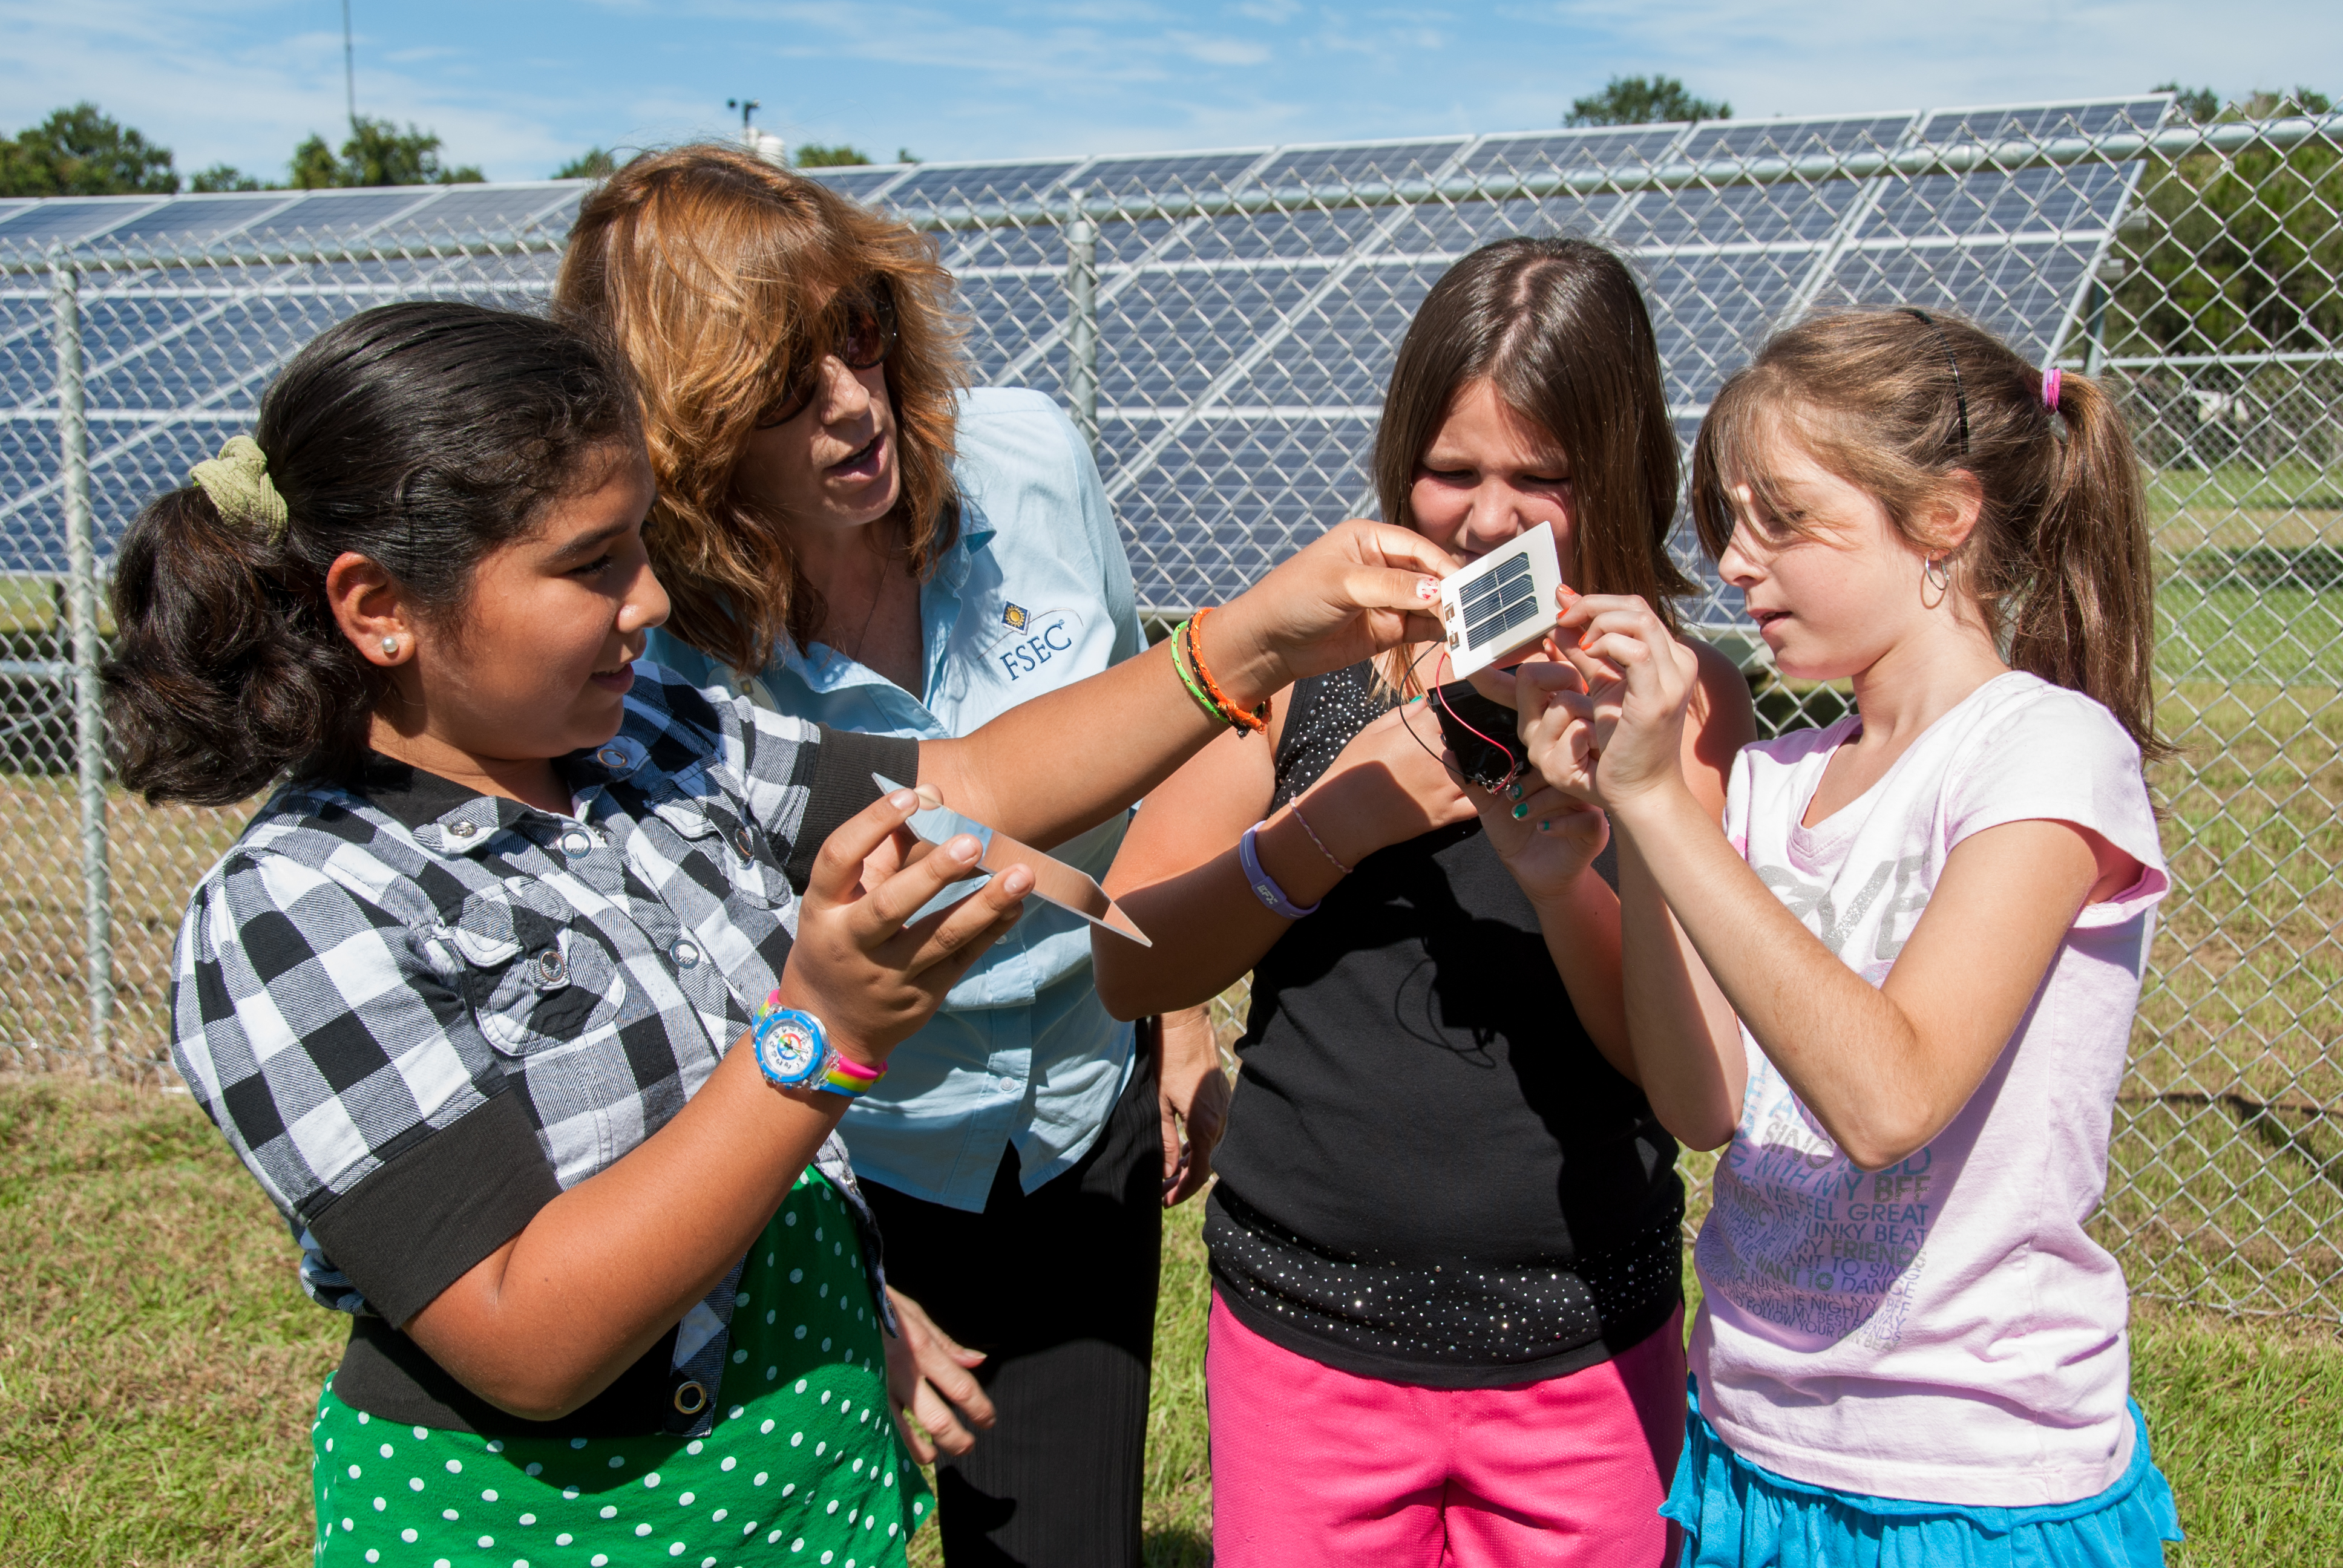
x,y
887,554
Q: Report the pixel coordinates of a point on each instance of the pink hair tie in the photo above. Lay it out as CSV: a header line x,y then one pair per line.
x,y
2050,390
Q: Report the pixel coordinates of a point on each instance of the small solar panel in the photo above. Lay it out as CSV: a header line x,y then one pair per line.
x,y
1503,602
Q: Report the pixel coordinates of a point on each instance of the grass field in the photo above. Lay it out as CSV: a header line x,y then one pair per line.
x,y
156,1360
158,1363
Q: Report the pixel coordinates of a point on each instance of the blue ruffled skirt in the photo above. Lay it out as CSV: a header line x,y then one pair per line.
x,y
1736,1515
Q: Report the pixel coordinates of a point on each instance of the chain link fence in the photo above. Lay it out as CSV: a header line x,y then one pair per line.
x,y
1221,325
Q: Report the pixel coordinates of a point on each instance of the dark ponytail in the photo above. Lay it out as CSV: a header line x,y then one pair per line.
x,y
1898,403
420,436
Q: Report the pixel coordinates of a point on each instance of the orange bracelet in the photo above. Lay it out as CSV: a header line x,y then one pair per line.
x,y
1252,722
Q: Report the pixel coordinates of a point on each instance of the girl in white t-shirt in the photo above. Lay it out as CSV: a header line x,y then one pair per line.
x,y
1896,987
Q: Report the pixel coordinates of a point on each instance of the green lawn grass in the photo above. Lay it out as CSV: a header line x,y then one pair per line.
x,y
159,1364
2265,637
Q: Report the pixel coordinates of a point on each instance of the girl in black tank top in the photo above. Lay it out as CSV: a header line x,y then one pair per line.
x,y
1446,1241
1522,1220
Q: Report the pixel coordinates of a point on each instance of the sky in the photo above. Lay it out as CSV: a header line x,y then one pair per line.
x,y
519,87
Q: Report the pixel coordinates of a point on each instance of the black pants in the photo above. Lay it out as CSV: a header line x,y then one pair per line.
x,y
1057,1287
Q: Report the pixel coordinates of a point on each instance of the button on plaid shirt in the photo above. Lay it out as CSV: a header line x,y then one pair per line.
x,y
419,1012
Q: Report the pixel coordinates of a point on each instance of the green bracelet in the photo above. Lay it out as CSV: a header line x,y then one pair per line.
x,y
1211,709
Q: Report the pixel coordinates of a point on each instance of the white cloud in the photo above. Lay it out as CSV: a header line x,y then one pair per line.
x,y
1218,51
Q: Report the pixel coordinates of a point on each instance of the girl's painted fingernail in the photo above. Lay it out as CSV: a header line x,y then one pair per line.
x,y
930,798
1513,792
1521,810
1545,826
1427,588
1586,640
1566,594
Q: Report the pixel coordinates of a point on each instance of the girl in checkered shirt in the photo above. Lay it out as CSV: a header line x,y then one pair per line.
x,y
463,994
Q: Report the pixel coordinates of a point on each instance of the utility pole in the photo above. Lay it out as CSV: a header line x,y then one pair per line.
x,y
349,68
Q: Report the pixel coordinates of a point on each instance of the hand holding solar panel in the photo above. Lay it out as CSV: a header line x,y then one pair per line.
x,y
1503,603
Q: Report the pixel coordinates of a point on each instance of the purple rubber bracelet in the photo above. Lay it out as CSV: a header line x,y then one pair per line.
x,y
1264,886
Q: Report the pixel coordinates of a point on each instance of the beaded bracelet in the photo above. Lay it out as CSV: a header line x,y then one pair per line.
x,y
1264,886
1252,722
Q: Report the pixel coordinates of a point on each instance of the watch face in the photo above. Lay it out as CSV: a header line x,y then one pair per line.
x,y
790,1052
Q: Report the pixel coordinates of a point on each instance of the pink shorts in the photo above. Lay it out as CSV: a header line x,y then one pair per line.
x,y
1314,1466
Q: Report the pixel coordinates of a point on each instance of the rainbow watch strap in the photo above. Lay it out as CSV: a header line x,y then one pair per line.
x,y
793,1051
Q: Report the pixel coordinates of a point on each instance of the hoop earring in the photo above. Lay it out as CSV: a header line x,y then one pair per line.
x,y
1934,574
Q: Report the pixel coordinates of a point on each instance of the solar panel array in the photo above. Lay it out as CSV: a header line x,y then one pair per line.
x,y
1242,353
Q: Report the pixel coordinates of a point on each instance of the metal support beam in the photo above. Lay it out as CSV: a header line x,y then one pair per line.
x,y
81,605
1081,320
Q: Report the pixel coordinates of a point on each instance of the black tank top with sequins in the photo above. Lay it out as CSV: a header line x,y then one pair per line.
x,y
1431,1175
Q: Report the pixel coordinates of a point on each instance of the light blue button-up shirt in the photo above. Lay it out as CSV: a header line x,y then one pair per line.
x,y
1035,595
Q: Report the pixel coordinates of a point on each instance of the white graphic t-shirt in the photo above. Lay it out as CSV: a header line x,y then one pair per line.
x,y
1942,1331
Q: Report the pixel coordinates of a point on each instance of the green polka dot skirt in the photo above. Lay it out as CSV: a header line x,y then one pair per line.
x,y
803,1466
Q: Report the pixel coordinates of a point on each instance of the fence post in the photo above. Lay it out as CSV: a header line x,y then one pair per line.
x,y
1082,318
81,598
2104,279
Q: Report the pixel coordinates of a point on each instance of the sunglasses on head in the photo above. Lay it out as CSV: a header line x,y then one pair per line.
x,y
859,341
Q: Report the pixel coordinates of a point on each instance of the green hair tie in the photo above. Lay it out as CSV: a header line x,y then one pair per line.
x,y
238,482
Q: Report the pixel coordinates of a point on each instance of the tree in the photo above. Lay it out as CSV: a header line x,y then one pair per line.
x,y
817,155
82,151
2234,254
226,177
593,163
1644,101
905,156
2200,106
377,154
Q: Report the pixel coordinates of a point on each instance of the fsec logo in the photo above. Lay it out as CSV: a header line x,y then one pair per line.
x,y
1036,638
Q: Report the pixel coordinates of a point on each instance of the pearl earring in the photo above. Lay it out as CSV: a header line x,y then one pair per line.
x,y
390,648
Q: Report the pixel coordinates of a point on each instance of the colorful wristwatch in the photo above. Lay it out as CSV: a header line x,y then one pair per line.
x,y
793,1051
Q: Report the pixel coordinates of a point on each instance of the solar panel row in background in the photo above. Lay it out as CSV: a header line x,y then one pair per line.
x,y
1242,353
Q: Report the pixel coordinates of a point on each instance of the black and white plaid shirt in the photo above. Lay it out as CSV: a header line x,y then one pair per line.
x,y
418,1012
